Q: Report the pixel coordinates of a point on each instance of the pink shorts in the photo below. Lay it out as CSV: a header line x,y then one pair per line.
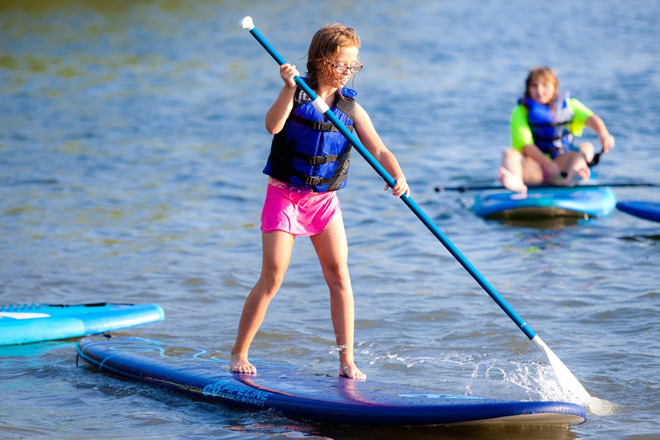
x,y
297,211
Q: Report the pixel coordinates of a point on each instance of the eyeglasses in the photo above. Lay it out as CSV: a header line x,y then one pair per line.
x,y
343,69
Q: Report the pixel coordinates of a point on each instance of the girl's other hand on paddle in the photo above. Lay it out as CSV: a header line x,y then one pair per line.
x,y
607,142
574,175
554,171
400,187
288,72
579,170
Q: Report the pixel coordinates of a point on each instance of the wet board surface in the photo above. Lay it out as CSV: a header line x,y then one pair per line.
x,y
21,324
645,210
545,202
298,394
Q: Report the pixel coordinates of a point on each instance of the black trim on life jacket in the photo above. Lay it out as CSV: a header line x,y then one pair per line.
x,y
334,182
559,125
317,125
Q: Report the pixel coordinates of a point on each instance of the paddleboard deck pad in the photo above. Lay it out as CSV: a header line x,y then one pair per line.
x,y
21,324
298,394
546,202
645,210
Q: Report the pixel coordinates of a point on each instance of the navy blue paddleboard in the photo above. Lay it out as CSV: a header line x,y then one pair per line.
x,y
21,324
546,202
298,394
645,210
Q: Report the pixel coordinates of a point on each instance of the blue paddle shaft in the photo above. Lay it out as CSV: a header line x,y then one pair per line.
x,y
355,142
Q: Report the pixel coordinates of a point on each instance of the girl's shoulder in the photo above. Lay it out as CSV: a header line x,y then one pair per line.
x,y
581,110
520,110
348,92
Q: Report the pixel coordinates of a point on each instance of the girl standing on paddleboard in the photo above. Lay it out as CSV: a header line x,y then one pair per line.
x,y
308,163
542,128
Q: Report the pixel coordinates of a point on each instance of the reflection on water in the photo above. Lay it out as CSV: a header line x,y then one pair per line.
x,y
542,223
449,432
641,238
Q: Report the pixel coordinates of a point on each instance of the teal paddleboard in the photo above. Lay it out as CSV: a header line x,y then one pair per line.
x,y
21,324
546,202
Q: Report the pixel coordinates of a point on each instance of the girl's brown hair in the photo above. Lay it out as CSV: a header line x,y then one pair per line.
x,y
325,45
542,74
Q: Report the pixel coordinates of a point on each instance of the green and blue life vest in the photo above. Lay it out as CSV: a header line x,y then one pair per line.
x,y
550,124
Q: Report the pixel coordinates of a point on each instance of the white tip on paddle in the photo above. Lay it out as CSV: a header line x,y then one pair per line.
x,y
567,380
572,386
247,23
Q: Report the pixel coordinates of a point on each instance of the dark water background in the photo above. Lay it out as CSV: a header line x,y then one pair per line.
x,y
131,148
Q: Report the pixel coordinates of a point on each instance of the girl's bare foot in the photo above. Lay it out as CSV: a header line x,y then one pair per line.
x,y
511,181
351,371
240,364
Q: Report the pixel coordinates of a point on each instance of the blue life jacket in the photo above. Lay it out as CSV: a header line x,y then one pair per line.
x,y
309,151
550,125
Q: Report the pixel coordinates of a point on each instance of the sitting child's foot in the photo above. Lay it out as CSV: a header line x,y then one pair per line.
x,y
240,364
511,181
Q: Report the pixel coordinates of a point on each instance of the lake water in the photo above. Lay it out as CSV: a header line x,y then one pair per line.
x,y
131,149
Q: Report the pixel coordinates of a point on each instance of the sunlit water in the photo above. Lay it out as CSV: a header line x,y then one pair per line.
x,y
131,148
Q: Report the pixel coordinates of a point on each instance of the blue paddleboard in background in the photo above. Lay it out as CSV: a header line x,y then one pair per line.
x,y
546,202
645,210
303,395
21,324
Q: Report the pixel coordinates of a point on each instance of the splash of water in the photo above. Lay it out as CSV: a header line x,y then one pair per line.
x,y
535,381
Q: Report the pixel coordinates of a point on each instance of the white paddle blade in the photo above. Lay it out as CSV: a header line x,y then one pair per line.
x,y
567,380
246,23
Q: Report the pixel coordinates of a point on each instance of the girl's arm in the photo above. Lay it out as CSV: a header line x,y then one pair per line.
x,y
279,111
597,125
373,143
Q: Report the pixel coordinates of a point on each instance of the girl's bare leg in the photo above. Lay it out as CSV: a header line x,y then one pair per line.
x,y
332,249
511,171
574,165
277,248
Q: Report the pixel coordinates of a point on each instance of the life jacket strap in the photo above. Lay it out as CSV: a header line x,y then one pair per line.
x,y
334,181
320,160
317,125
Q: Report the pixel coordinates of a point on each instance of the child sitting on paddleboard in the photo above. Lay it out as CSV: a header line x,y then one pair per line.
x,y
308,163
542,128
